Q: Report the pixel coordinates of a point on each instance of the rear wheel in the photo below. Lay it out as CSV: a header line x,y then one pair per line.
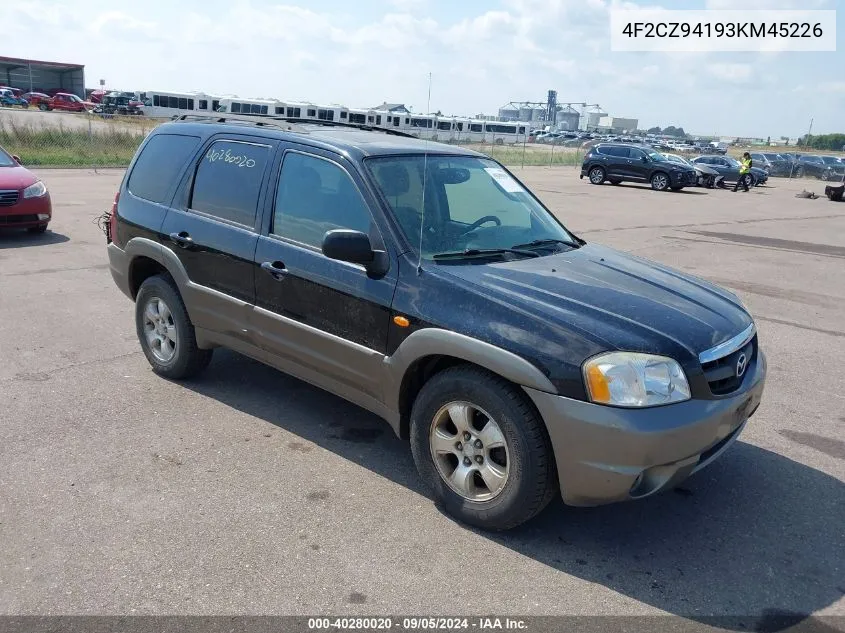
x,y
166,332
597,175
660,181
482,449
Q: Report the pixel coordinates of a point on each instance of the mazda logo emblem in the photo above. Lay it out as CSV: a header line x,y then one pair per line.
x,y
741,364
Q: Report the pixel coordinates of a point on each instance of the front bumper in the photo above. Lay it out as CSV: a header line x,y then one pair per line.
x,y
608,454
27,213
684,178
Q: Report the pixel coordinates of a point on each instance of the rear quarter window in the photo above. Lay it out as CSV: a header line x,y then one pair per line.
x,y
161,161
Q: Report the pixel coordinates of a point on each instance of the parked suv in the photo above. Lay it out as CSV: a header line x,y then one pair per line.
x,y
426,284
619,162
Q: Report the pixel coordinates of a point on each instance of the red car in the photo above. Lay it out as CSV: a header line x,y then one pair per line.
x,y
24,199
66,101
35,98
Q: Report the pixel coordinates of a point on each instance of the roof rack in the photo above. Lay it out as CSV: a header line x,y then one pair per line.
x,y
264,120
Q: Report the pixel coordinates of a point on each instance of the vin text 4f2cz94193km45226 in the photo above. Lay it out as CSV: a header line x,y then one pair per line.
x,y
426,284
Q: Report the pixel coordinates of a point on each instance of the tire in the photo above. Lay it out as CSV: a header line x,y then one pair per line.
x,y
799,173
43,107
660,181
37,230
615,181
178,357
525,455
597,175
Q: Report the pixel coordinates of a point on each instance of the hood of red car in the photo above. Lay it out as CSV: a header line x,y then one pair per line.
x,y
16,177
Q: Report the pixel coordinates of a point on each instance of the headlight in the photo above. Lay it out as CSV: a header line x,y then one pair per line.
x,y
35,190
631,379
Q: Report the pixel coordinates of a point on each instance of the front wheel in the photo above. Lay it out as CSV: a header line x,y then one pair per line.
x,y
482,449
166,332
597,175
660,181
43,107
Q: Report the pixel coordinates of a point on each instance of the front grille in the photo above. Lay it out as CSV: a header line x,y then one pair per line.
x,y
9,197
17,219
721,374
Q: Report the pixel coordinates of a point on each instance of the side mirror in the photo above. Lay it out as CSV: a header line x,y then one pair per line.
x,y
354,246
16,158
644,158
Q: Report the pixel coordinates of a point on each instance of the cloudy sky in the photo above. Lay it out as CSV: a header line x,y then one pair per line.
x,y
481,53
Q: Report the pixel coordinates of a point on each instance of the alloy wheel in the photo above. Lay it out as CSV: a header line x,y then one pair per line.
x,y
160,330
469,451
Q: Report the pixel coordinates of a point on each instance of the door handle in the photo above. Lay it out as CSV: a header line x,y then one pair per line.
x,y
182,239
276,269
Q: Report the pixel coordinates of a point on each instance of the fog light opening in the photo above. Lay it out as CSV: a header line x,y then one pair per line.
x,y
43,216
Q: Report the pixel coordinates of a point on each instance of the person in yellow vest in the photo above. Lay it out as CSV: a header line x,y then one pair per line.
x,y
744,172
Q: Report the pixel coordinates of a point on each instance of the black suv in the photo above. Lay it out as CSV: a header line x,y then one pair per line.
x,y
618,162
426,284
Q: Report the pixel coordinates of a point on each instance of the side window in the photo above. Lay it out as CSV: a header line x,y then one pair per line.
x,y
228,181
315,196
635,153
160,162
620,152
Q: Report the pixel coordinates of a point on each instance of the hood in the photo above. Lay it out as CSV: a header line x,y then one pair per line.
x,y
16,177
706,169
613,298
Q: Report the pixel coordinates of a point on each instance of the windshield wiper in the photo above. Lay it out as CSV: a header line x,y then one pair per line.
x,y
546,242
480,252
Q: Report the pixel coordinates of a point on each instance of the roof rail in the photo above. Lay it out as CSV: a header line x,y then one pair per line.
x,y
266,120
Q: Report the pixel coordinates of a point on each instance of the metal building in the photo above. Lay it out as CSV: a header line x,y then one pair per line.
x,y
36,76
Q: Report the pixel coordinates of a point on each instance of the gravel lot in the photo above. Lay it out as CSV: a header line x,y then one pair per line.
x,y
248,492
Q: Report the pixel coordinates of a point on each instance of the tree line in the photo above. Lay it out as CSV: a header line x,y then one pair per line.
x,y
668,131
833,142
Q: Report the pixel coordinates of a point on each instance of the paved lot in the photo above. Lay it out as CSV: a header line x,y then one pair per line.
x,y
250,492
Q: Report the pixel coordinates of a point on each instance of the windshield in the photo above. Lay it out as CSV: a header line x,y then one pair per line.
x,y
6,160
655,156
470,203
733,162
676,159
75,98
830,160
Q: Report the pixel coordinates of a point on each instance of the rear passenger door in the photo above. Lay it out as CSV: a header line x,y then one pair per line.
x,y
325,320
212,228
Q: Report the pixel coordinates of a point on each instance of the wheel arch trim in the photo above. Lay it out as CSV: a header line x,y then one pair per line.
x,y
439,342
